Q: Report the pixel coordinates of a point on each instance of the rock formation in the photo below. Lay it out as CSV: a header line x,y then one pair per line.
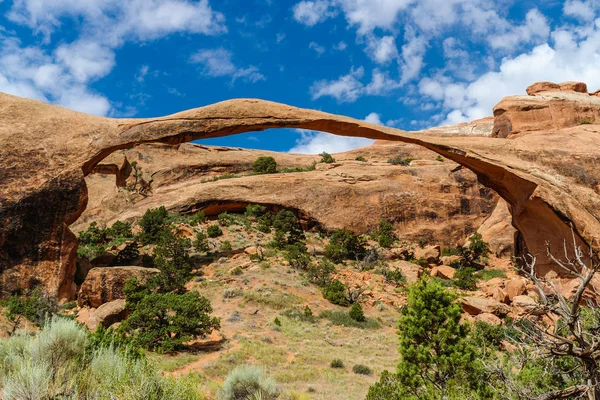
x,y
46,151
428,200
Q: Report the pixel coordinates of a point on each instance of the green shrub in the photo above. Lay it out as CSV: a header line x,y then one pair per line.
x,y
237,271
297,255
439,158
165,321
64,361
224,219
246,382
487,274
226,247
356,313
93,235
119,229
344,245
361,369
393,276
585,122
304,316
464,278
320,274
384,235
404,161
201,242
153,222
337,363
255,210
287,229
35,306
335,291
326,158
451,251
487,335
361,158
214,231
197,218
264,165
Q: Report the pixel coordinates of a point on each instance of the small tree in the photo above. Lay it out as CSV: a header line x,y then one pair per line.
x,y
344,245
264,165
356,313
326,158
153,222
287,229
164,321
214,231
201,242
320,274
436,357
335,291
384,235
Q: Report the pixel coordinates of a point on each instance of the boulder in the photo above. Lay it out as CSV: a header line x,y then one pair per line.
x,y
497,230
523,301
540,87
489,318
443,271
516,287
478,305
252,250
412,272
107,314
429,253
500,295
449,260
106,284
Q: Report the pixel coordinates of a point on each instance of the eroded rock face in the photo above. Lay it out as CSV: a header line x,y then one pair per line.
x,y
548,106
46,151
428,200
105,284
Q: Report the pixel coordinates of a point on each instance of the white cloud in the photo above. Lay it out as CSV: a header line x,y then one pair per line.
x,y
413,53
140,76
583,10
316,47
86,60
112,21
218,63
382,50
30,72
570,58
311,13
63,75
371,14
534,30
373,118
341,46
346,88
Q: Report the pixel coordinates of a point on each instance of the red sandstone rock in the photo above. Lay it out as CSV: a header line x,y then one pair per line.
x,y
443,271
106,284
478,305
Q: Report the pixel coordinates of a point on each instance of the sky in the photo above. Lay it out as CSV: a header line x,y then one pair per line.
x,y
409,64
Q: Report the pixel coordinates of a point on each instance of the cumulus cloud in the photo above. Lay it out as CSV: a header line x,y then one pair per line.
x,y
348,88
567,57
382,50
63,75
311,13
535,29
218,63
583,10
60,78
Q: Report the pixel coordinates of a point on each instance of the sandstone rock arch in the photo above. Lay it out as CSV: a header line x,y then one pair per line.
x,y
46,151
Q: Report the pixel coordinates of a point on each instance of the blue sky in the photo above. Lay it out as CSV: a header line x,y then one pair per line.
x,y
410,64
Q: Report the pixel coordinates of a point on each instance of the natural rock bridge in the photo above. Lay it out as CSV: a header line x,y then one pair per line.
x,y
46,151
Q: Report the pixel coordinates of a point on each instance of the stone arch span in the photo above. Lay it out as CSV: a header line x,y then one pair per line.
x,y
46,151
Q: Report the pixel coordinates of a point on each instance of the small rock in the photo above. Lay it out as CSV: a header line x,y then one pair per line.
x,y
489,318
252,250
500,295
523,301
516,287
478,305
443,271
448,260
429,253
107,314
